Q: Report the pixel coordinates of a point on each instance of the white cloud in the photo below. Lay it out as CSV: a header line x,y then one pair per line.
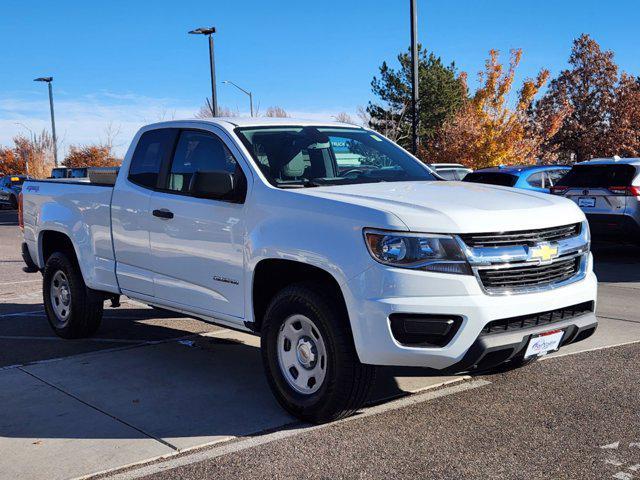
x,y
88,119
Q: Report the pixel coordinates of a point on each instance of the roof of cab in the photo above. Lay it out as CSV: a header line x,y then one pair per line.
x,y
258,122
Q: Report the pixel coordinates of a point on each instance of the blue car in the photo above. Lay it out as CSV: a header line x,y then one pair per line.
x,y
10,188
539,178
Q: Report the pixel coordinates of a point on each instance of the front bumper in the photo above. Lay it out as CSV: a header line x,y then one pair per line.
x,y
489,351
374,295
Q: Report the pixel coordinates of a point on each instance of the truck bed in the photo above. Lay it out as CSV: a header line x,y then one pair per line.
x,y
82,211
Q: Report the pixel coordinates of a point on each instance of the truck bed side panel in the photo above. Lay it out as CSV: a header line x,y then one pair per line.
x,y
82,213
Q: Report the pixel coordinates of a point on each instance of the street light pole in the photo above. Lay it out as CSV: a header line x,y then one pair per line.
x,y
414,75
243,91
49,80
209,31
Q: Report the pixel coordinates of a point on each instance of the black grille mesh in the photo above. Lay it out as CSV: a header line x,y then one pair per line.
x,y
543,318
519,277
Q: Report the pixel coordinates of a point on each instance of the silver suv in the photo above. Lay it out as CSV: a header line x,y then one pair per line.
x,y
608,191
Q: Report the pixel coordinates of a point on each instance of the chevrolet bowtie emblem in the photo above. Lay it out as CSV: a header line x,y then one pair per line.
x,y
543,252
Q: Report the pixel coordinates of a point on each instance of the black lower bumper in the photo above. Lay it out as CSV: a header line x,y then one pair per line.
x,y
492,350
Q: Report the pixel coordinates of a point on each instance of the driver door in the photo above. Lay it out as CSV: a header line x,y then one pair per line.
x,y
197,244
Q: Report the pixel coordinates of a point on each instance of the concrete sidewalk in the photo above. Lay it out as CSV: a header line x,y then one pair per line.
x,y
99,411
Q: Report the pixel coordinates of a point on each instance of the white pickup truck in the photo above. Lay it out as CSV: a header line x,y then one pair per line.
x,y
336,246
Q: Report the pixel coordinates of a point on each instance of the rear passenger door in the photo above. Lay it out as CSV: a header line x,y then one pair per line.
x,y
131,217
197,244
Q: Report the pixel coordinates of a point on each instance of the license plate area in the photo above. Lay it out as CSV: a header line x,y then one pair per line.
x,y
588,202
544,343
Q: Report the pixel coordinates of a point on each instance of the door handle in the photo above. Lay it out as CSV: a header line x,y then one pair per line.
x,y
164,213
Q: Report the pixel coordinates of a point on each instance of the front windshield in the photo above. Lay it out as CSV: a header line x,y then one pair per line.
x,y
314,156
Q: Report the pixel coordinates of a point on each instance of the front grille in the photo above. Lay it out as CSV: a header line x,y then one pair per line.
x,y
523,276
527,237
536,319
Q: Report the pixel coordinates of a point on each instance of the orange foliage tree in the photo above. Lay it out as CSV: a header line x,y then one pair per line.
x,y
91,156
33,156
486,131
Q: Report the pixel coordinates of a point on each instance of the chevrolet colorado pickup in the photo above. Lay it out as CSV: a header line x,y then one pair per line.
x,y
336,246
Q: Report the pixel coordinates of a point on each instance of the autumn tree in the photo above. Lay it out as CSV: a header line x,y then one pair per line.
x,y
206,110
29,155
276,112
90,156
588,90
623,137
344,117
486,130
441,92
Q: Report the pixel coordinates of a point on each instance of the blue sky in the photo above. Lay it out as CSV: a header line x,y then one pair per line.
x,y
125,63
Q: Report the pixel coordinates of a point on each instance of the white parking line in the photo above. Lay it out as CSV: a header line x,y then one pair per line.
x,y
300,428
21,281
594,349
104,340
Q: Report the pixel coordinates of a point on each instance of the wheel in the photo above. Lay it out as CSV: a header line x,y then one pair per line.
x,y
14,202
309,356
73,310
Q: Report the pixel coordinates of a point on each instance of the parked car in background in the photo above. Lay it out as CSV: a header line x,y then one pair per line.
x,y
451,171
608,192
64,172
60,172
539,178
79,172
10,188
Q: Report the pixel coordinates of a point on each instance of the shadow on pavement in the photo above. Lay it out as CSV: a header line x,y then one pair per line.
x,y
616,262
8,217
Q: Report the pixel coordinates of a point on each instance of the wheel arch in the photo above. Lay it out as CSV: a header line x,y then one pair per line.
x,y
272,275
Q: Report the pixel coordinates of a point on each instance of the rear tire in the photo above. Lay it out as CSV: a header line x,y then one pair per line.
x,y
73,310
309,357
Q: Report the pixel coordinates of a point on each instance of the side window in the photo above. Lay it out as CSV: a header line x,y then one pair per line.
x,y
536,180
554,176
153,148
199,152
448,174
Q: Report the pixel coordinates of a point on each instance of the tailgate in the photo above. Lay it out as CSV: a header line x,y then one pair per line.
x,y
598,200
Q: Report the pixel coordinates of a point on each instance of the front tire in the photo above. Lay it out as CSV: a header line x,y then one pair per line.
x,y
73,310
309,357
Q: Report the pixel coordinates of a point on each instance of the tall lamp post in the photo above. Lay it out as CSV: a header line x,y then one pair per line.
x,y
48,80
414,76
247,92
209,31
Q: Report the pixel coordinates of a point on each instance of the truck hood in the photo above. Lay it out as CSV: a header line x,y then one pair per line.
x,y
457,207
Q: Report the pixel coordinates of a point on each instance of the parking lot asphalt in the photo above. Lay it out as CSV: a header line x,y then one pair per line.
x,y
152,386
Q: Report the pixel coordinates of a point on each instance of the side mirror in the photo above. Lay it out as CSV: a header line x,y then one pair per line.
x,y
217,185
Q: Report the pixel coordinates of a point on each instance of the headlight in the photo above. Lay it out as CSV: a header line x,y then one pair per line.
x,y
421,251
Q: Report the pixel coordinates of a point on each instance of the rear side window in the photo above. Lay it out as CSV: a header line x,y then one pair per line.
x,y
154,147
596,176
447,174
492,178
536,180
554,176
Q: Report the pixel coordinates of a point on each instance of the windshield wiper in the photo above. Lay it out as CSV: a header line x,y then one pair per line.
x,y
300,183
